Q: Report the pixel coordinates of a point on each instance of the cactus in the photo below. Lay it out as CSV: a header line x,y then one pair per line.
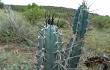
x,y
49,45
79,30
81,20
50,55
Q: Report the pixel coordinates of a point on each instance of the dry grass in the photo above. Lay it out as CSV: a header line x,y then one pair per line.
x,y
19,56
97,43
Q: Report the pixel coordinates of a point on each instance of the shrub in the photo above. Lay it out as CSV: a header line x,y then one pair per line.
x,y
100,21
16,29
1,5
34,13
63,23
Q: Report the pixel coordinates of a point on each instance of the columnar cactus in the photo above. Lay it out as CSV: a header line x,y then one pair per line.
x,y
81,20
50,55
49,45
79,29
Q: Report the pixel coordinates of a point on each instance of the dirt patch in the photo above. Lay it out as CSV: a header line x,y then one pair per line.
x,y
16,48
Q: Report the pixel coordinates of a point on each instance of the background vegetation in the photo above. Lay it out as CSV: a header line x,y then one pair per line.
x,y
19,29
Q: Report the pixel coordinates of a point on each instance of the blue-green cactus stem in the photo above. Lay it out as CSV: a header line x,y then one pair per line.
x,y
81,20
51,42
79,30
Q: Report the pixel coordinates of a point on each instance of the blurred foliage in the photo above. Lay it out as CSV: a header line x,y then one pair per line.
x,y
1,5
18,8
17,30
3,59
64,13
7,48
99,40
100,22
34,13
23,32
63,23
16,62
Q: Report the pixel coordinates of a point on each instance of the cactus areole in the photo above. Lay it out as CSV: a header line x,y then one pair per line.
x,y
79,29
49,41
81,20
49,50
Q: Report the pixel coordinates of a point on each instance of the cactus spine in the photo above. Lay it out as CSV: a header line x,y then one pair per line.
x,y
50,55
49,45
79,30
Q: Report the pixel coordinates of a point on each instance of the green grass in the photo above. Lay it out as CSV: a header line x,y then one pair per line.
x,y
97,43
99,40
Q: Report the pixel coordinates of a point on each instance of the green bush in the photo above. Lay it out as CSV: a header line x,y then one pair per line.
x,y
63,23
34,13
17,30
1,5
100,21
